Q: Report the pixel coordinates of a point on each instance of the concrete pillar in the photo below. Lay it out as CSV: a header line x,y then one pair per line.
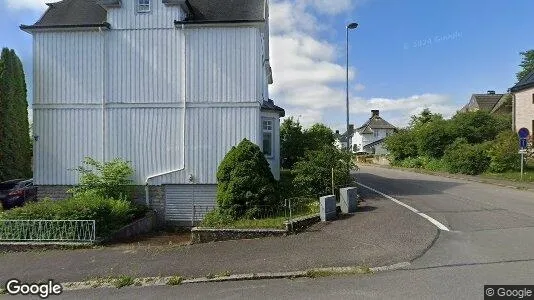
x,y
328,209
348,198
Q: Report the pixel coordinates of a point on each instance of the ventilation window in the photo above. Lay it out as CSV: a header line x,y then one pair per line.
x,y
143,6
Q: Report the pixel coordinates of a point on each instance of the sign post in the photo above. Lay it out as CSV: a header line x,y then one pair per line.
x,y
523,136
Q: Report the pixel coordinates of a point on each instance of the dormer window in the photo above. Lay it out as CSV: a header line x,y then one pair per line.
x,y
143,6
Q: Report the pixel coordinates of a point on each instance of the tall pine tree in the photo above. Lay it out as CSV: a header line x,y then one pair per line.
x,y
15,142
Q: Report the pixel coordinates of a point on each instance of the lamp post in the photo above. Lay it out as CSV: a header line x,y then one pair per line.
x,y
349,27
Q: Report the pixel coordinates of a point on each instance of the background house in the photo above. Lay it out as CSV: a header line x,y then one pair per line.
x,y
370,136
490,102
169,85
523,103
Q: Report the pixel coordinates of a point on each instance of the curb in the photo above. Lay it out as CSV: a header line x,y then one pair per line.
x,y
426,172
163,281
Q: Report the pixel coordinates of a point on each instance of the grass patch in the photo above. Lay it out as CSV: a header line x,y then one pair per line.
x,y
318,273
215,220
175,280
528,175
123,281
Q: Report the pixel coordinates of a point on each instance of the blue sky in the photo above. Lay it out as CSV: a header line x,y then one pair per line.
x,y
405,55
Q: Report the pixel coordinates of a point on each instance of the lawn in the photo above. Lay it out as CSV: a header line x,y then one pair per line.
x,y
528,176
274,222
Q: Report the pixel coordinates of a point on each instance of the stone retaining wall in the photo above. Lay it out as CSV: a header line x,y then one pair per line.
x,y
205,235
136,228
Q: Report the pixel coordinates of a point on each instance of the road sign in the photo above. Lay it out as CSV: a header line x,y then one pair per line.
x,y
523,151
523,143
523,133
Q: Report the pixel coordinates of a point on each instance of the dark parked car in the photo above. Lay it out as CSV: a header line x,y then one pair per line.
x,y
15,193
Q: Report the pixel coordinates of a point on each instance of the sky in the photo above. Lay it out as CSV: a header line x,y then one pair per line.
x,y
403,57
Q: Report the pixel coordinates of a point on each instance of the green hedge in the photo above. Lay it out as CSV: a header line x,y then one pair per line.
x,y
109,214
462,157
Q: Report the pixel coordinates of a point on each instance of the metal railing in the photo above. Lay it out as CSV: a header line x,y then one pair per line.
x,y
47,232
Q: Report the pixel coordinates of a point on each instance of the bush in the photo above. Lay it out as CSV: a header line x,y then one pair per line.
x,y
462,157
110,179
479,126
432,138
245,181
285,185
109,214
504,153
313,174
401,145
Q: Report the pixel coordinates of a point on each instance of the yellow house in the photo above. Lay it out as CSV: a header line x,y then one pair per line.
x,y
523,108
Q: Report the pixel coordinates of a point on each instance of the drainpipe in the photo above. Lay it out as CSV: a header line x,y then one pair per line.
x,y
184,88
104,61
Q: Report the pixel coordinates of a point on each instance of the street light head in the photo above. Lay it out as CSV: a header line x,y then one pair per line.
x,y
352,26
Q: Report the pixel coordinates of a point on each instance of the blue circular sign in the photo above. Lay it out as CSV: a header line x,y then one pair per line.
x,y
523,133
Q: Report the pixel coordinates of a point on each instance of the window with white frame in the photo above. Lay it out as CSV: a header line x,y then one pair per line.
x,y
143,6
268,137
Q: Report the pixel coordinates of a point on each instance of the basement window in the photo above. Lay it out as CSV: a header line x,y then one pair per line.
x,y
143,6
268,137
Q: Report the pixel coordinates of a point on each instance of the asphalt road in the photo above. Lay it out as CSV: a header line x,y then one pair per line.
x,y
491,242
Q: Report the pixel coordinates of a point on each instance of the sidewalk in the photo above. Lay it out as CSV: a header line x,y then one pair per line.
x,y
380,234
527,186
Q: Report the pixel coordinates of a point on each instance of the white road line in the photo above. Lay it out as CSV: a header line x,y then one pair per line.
x,y
432,220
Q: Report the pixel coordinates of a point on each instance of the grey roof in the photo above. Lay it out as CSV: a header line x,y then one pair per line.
x,y
227,10
89,13
269,105
504,104
68,13
375,122
486,102
380,141
524,83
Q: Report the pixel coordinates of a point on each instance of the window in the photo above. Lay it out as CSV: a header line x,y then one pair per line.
x,y
143,6
268,138
376,133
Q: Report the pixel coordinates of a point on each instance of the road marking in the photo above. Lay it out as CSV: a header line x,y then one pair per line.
x,y
432,220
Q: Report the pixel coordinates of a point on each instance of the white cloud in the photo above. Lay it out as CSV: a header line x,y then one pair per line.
x,y
37,5
309,72
401,109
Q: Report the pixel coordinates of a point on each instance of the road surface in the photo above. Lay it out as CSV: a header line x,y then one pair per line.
x,y
491,241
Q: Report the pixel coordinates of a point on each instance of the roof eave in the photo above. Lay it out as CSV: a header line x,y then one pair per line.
x,y
34,28
218,22
522,87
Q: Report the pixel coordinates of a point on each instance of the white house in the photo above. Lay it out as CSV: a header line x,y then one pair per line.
x,y
170,85
523,104
370,136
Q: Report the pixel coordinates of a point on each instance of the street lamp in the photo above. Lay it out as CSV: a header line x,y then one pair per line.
x,y
349,27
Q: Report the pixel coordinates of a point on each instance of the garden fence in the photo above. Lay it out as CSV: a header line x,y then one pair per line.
x,y
290,209
47,232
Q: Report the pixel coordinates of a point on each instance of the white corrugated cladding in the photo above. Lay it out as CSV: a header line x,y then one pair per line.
x,y
151,138
142,76
66,137
145,66
181,200
160,16
68,67
210,133
224,64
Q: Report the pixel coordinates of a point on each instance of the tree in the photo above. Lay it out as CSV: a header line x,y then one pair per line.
x,y
479,126
432,138
527,64
245,182
291,142
15,143
318,136
424,117
313,174
401,145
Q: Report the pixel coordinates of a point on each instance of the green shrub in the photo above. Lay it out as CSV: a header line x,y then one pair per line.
x,y
285,185
462,157
504,153
434,164
216,219
313,173
432,138
109,214
401,146
412,162
110,179
245,181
